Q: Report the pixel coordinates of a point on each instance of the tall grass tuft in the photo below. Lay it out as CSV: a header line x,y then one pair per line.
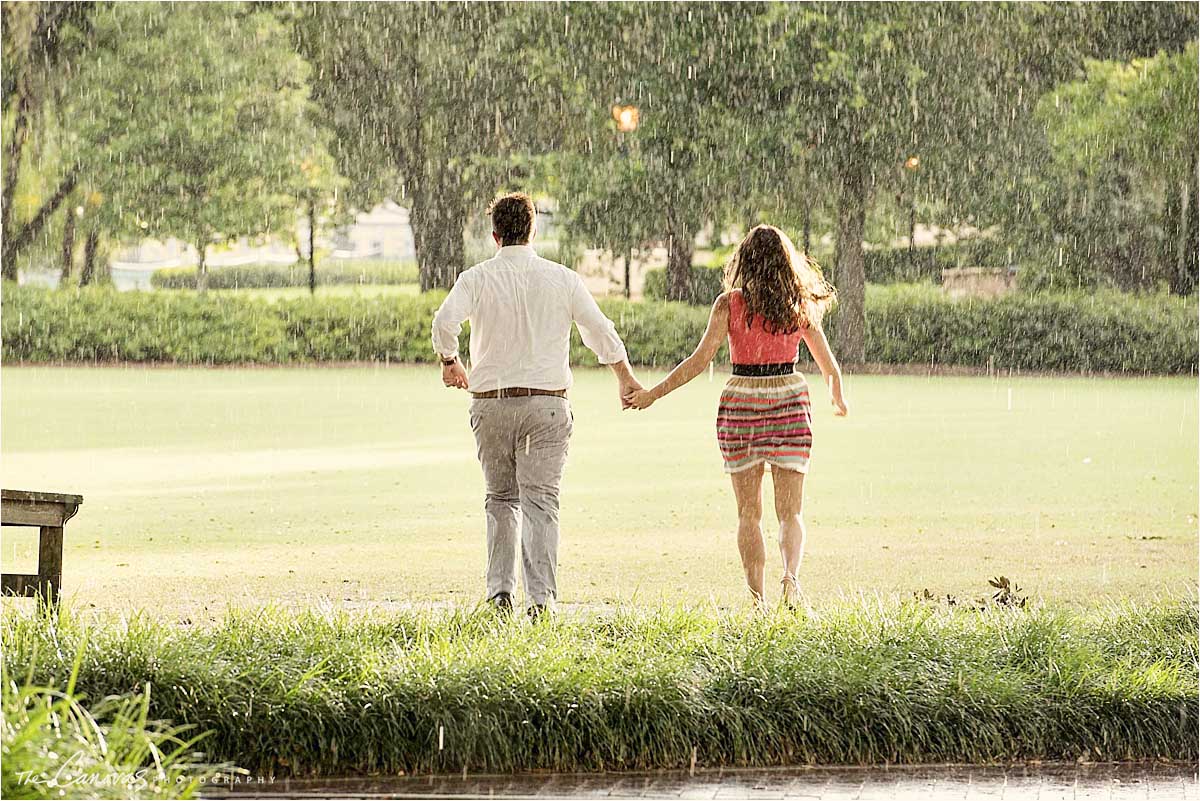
x,y
53,746
332,692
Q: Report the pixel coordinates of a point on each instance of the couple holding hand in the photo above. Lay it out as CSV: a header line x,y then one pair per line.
x,y
521,308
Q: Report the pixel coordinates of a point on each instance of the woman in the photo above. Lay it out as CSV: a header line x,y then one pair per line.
x,y
776,298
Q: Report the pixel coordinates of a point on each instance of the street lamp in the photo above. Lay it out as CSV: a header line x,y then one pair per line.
x,y
627,118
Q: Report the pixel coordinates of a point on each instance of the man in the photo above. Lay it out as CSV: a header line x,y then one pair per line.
x,y
521,308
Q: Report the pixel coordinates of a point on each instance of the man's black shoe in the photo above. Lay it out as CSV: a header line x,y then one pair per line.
x,y
502,603
538,611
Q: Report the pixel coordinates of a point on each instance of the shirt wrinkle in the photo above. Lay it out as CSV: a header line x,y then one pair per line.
x,y
521,308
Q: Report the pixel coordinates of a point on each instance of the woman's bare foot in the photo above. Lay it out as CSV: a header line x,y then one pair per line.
x,y
791,591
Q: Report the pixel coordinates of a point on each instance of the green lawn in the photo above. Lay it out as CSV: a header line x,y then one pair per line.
x,y
331,485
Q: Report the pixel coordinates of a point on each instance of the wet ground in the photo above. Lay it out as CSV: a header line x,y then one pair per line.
x,y
1036,782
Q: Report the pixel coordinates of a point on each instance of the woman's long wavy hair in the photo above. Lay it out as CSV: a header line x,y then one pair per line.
x,y
783,286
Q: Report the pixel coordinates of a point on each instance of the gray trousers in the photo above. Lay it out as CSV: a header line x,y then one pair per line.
x,y
522,446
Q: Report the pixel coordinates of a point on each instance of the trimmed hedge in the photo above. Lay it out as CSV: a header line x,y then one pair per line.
x,y
895,265
275,276
704,284
906,324
881,265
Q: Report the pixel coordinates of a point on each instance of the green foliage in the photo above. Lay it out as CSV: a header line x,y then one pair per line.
x,y
1069,331
318,693
433,104
897,265
263,276
689,160
54,746
1098,331
883,266
227,158
704,284
1117,202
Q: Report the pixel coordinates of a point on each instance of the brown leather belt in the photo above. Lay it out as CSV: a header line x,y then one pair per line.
x,y
519,392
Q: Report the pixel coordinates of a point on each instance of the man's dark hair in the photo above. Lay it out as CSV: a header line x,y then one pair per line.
x,y
512,218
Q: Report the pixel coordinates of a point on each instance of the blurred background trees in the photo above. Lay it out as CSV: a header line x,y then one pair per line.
x,y
1055,140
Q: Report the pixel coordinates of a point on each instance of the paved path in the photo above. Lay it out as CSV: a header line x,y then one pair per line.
x,y
1050,782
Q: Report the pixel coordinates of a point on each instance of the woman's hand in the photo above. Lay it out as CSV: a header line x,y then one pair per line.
x,y
640,399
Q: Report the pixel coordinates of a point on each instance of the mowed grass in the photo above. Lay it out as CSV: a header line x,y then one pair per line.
x,y
358,486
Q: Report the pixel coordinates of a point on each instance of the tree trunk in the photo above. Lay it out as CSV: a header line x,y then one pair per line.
x,y
202,266
312,248
851,280
628,271
1184,274
438,218
12,169
68,248
88,274
15,243
807,224
679,258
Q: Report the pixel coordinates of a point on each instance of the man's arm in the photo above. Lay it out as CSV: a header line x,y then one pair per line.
x,y
447,324
600,336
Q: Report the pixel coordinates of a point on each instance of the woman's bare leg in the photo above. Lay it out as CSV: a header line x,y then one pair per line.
x,y
747,488
789,502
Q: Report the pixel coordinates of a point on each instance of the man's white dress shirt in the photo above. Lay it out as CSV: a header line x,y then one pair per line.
x,y
521,308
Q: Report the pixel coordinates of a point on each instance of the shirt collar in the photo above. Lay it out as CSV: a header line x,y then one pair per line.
x,y
518,254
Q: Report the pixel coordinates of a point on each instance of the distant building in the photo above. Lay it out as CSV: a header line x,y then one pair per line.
x,y
381,233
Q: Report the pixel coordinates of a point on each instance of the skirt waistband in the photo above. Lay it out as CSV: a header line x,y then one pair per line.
x,y
755,370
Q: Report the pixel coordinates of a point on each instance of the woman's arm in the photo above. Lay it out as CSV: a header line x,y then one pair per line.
x,y
818,346
692,366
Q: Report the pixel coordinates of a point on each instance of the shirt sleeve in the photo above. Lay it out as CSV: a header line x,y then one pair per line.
x,y
447,322
598,332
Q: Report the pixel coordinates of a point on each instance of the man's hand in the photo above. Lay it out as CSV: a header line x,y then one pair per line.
x,y
627,389
626,383
454,375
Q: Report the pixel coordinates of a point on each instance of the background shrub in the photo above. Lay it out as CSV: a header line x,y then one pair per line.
x,y
906,324
274,276
703,286
882,265
925,264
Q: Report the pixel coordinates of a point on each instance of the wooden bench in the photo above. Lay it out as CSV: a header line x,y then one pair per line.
x,y
49,512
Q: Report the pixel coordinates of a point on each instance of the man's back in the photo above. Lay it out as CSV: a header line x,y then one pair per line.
x,y
521,308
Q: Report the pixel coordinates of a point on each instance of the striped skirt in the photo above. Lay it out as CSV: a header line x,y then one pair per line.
x,y
765,419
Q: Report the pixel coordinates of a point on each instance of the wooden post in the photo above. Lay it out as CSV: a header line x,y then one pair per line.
x,y
49,513
50,545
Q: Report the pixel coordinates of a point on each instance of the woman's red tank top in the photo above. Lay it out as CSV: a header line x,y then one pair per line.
x,y
753,344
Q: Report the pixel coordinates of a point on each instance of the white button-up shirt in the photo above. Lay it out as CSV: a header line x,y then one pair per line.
x,y
521,307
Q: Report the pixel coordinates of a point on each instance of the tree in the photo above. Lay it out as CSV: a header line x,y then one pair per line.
x,y
679,68
947,89
430,102
194,126
317,197
1120,178
40,42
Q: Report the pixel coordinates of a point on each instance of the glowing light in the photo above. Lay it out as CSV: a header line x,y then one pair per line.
x,y
627,118
912,162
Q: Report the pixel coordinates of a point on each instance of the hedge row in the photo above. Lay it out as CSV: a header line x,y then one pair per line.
x,y
704,284
272,276
1103,331
881,265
